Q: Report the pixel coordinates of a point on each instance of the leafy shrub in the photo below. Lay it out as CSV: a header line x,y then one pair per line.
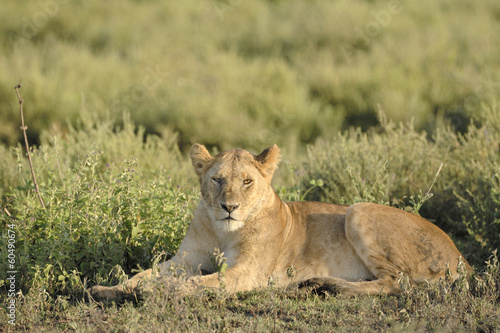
x,y
481,212
373,167
8,176
102,211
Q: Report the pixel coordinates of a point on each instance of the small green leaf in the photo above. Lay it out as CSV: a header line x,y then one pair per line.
x,y
135,231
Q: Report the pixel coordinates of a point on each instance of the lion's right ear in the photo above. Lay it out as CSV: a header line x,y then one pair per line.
x,y
200,158
269,159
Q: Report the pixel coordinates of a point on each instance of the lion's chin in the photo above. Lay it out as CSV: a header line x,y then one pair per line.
x,y
230,225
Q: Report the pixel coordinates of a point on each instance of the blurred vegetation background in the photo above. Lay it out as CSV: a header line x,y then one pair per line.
x,y
366,99
248,73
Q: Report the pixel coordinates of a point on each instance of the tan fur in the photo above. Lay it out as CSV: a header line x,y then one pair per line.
x,y
359,249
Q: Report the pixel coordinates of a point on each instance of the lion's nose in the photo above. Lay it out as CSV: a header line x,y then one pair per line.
x,y
229,208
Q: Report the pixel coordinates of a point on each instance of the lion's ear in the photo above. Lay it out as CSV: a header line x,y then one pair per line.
x,y
269,159
200,158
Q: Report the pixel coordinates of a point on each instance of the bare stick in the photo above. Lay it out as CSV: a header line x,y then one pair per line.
x,y
437,174
7,212
24,128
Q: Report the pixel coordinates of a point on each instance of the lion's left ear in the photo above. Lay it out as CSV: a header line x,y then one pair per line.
x,y
269,160
200,158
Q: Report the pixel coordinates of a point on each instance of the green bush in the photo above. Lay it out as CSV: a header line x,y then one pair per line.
x,y
102,209
8,175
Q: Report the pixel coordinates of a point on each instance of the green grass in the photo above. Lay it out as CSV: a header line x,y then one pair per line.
x,y
441,307
367,100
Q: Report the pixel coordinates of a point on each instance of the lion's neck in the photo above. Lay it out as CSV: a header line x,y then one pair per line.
x,y
278,212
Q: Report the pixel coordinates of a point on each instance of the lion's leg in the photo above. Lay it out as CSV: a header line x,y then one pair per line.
x,y
145,281
124,290
335,286
234,279
179,265
133,286
380,240
390,241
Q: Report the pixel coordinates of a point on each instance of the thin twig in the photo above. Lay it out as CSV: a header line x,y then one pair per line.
x,y
24,128
437,174
7,212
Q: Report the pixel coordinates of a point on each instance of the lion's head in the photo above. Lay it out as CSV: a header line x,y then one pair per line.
x,y
235,184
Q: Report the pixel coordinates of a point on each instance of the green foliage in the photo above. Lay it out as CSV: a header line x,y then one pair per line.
x,y
218,261
374,167
8,175
481,212
102,211
296,190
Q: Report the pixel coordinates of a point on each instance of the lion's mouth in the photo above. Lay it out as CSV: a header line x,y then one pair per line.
x,y
229,224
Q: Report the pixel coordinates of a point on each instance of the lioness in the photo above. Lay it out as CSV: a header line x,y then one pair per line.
x,y
359,249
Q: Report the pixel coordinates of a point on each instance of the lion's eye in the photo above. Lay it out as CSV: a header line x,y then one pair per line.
x,y
247,181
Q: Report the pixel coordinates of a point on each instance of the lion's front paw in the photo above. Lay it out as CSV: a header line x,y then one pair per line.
x,y
312,283
322,285
109,293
